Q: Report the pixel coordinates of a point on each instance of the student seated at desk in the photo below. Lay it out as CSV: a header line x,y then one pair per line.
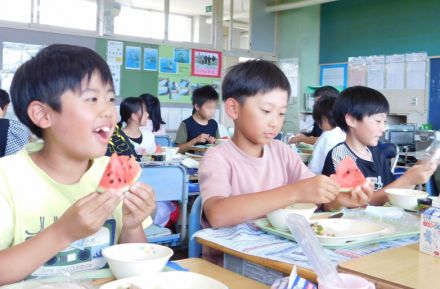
x,y
49,208
199,128
134,114
362,113
331,136
312,137
155,123
253,174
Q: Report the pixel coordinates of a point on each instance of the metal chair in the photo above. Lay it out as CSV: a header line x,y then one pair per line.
x,y
194,248
163,140
170,183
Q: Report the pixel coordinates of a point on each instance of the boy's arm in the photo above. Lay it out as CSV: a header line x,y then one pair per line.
x,y
85,217
417,174
21,260
232,210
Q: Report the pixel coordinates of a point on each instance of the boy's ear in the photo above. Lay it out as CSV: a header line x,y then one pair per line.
x,y
350,120
39,113
232,107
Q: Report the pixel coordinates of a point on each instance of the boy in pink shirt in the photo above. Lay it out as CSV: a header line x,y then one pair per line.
x,y
253,174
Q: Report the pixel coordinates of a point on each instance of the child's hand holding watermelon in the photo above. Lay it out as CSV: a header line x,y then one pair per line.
x,y
139,204
139,201
352,181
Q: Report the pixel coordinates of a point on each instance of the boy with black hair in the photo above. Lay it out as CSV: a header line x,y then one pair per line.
x,y
253,174
312,137
13,135
199,128
362,113
331,136
52,219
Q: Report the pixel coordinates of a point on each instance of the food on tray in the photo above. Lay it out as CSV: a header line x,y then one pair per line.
x,y
348,175
319,230
119,174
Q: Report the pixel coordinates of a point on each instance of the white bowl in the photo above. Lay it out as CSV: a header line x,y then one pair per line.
x,y
405,198
278,217
132,259
171,280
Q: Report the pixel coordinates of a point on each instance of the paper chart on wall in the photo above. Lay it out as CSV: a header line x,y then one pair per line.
x,y
376,71
395,71
115,69
357,71
416,75
114,52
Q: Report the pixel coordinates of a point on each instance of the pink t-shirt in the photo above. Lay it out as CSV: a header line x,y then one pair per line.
x,y
225,170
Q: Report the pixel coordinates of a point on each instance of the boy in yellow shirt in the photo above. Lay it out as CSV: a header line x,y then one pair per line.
x,y
52,218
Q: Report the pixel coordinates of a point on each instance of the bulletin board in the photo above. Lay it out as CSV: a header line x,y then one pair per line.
x,y
175,77
133,82
333,74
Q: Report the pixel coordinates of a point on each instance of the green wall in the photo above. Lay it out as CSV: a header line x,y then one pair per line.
x,y
133,82
369,27
299,38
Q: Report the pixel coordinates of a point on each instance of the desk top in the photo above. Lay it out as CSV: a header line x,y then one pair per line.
x,y
272,264
403,267
229,278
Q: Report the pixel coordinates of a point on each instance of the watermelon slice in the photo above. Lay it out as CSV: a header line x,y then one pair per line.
x,y
119,174
348,175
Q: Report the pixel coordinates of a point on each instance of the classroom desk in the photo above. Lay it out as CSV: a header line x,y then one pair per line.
x,y
229,278
403,267
285,268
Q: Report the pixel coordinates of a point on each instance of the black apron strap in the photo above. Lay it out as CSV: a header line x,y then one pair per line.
x,y
4,127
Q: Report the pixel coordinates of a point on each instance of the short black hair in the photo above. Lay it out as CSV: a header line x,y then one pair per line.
x,y
358,101
153,109
203,94
128,106
326,90
251,78
4,99
53,71
324,108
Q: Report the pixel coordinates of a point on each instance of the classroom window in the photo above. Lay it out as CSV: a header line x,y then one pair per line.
x,y
17,10
238,38
76,14
190,21
147,21
179,28
14,55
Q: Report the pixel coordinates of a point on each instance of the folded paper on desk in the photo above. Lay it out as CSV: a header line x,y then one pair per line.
x,y
298,283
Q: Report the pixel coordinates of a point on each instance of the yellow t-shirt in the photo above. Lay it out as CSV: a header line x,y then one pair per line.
x,y
30,201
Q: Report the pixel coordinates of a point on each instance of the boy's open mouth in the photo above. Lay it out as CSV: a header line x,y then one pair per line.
x,y
103,132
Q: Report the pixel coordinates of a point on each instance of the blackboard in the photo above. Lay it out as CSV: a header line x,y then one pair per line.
x,y
375,27
434,94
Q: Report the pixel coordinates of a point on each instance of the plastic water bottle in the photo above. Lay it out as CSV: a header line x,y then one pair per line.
x,y
432,153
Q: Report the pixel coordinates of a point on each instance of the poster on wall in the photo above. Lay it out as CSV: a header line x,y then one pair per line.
x,y
175,81
151,56
182,55
132,57
114,52
206,63
167,65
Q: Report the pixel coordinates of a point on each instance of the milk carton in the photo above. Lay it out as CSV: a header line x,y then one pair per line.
x,y
430,231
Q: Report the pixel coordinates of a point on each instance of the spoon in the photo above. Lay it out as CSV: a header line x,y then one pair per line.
x,y
306,238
